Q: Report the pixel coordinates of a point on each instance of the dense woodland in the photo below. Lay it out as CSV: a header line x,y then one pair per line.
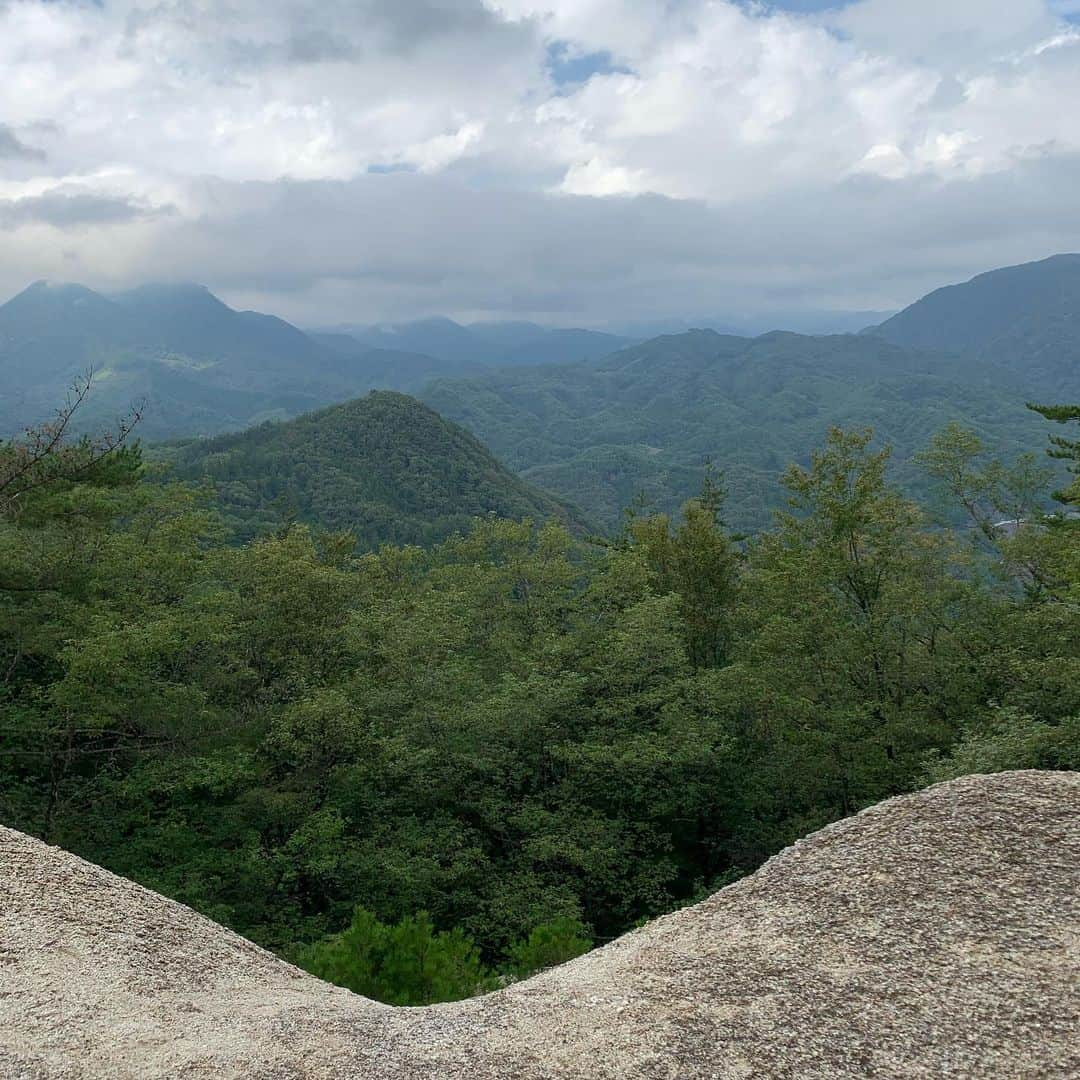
x,y
648,419
385,467
424,771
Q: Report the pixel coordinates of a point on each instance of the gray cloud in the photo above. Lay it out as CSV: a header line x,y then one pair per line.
x,y
11,146
68,208
396,246
337,30
382,159
350,31
419,21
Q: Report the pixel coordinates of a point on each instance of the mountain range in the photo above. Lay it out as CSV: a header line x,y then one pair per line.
x,y
492,344
197,367
646,420
587,417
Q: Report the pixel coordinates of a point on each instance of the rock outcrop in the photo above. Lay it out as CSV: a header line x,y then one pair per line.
x,y
934,935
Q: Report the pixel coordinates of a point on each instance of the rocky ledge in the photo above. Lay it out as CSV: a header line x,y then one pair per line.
x,y
934,935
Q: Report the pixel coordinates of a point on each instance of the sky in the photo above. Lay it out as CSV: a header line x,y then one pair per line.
x,y
577,162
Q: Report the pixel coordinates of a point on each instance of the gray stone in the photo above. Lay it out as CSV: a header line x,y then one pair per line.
x,y
933,935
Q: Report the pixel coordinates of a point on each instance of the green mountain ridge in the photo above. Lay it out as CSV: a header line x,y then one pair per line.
x,y
992,308
645,421
383,466
194,366
599,431
486,344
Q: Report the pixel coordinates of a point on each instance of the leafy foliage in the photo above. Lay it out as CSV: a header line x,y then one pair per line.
x,y
648,420
384,467
1064,449
423,770
409,963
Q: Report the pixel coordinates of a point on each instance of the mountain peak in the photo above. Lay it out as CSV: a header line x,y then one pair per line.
x,y
49,310
45,291
159,296
992,307
390,469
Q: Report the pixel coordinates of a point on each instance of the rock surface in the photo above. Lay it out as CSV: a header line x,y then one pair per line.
x,y
934,935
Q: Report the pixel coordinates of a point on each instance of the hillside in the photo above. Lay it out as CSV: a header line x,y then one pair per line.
x,y
384,466
1025,319
647,418
1010,306
487,344
194,365
600,429
927,936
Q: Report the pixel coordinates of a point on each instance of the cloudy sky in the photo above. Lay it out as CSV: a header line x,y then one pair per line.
x,y
576,161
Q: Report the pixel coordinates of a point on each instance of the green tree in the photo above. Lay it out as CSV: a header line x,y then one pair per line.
x,y
1064,449
850,662
408,963
696,561
548,945
1031,675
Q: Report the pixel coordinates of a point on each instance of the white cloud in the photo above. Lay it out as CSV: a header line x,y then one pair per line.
x,y
233,130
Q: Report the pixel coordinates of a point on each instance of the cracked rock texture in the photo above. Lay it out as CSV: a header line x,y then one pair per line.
x,y
934,935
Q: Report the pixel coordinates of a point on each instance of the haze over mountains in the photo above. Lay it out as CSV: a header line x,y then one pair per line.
x,y
203,368
648,418
584,415
491,343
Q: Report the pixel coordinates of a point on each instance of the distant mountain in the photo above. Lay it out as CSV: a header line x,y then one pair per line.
x,y
442,338
392,369
384,466
488,344
200,367
1026,318
564,347
576,412
507,335
191,321
645,420
812,322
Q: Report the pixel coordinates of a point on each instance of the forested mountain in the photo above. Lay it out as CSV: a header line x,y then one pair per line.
x,y
384,466
600,429
1024,319
492,344
818,322
1032,305
647,419
193,365
424,771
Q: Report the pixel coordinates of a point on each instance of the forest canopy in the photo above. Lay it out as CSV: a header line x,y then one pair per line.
x,y
422,771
